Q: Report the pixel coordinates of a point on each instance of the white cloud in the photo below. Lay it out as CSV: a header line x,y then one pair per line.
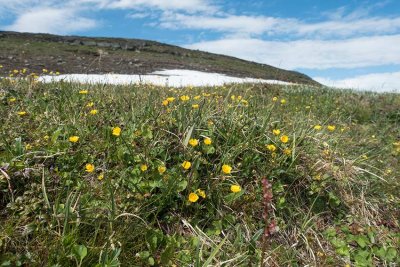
x,y
50,20
311,54
185,5
378,82
260,25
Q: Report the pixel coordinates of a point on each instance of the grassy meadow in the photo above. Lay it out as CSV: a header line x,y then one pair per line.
x,y
240,175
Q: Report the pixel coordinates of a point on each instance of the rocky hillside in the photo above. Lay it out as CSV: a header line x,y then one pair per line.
x,y
75,54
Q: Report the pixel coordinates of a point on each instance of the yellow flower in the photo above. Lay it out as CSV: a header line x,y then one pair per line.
x,y
46,137
201,193
283,101
284,139
143,167
170,99
73,139
21,113
195,106
90,104
116,131
206,94
317,127
100,177
89,167
193,142
193,197
186,165
287,151
185,98
210,122
331,127
276,132
83,92
239,98
94,111
308,107
271,147
12,99
15,71
233,97
236,188
161,169
28,146
165,103
226,169
207,141
197,97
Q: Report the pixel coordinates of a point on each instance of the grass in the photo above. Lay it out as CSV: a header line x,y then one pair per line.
x,y
335,189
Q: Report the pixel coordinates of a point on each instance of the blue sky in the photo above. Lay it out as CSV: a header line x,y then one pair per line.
x,y
345,43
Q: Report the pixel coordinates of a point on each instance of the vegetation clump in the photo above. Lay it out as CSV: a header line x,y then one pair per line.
x,y
101,175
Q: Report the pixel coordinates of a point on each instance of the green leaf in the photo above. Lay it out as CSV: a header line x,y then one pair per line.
x,y
362,241
151,261
343,251
181,186
80,251
391,254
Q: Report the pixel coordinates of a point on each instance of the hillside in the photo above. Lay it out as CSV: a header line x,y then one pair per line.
x,y
242,175
75,54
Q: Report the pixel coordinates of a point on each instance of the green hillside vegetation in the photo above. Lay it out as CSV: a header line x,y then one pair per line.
x,y
74,54
101,175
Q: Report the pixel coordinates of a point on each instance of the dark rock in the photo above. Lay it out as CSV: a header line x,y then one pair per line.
x,y
104,44
89,43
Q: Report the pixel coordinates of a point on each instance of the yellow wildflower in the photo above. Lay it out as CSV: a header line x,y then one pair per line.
x,y
226,169
284,139
276,131
46,137
44,70
197,97
83,92
317,127
193,142
89,167
12,99
73,139
21,113
94,111
283,101
100,177
206,95
165,102
201,193
28,146
331,127
193,197
207,141
233,97
116,131
236,188
161,169
186,165
274,99
287,151
195,106
143,167
170,99
185,98
90,104
271,147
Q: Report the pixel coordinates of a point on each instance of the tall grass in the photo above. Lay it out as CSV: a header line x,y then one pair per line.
x,y
335,181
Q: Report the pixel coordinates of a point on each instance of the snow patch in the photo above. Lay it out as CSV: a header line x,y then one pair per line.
x,y
172,78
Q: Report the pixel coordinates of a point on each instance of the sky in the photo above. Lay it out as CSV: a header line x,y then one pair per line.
x,y
345,43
